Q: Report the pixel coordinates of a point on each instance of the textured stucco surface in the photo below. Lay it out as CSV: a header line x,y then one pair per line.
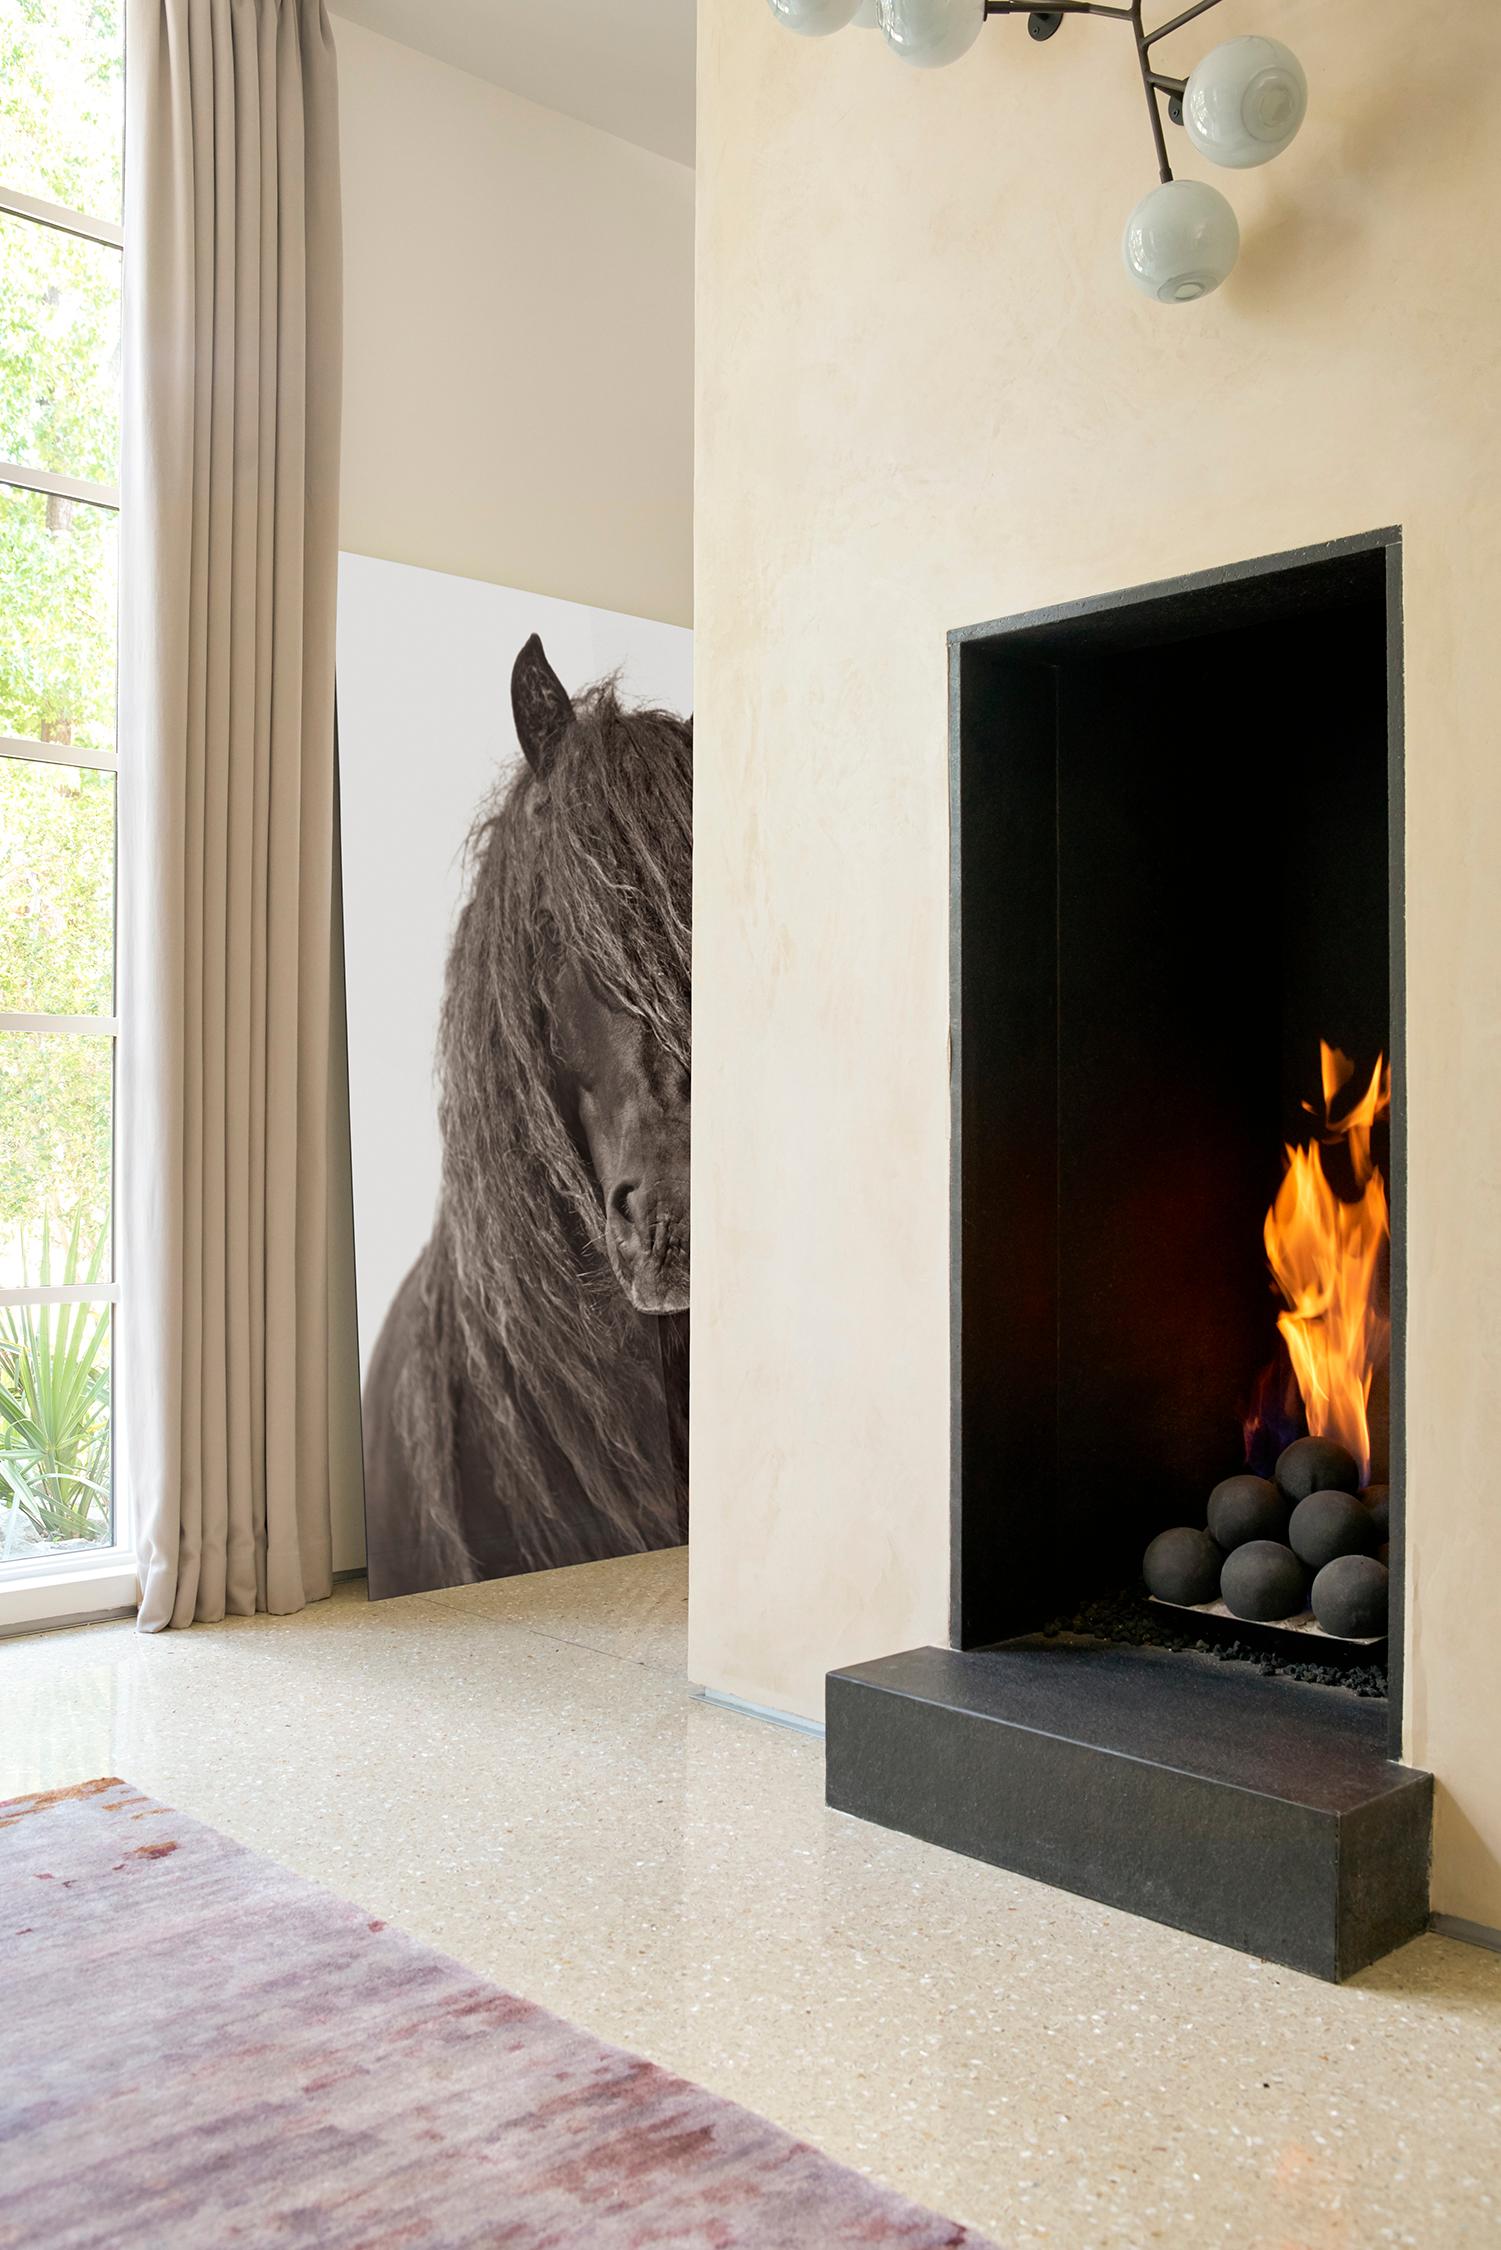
x,y
926,395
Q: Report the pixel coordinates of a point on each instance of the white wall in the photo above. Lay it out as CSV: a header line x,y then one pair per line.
x,y
518,339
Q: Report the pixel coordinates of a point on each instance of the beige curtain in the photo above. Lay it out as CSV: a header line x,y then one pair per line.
x,y
228,572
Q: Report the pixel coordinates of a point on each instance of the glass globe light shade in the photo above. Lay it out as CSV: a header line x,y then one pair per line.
x,y
1245,102
1181,241
867,17
930,33
813,19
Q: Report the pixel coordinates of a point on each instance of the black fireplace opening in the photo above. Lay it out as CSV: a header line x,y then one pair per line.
x,y
1176,819
1176,865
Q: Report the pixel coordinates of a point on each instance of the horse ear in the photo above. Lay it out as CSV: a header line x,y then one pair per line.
x,y
540,705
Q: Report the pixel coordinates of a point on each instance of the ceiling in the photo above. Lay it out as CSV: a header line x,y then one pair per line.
x,y
624,65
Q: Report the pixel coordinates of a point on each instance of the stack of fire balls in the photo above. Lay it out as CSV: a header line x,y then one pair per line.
x,y
1273,1550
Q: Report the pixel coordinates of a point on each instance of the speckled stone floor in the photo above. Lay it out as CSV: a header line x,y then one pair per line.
x,y
519,1773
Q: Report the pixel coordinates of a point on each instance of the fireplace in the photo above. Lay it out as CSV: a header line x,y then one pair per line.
x,y
1176,956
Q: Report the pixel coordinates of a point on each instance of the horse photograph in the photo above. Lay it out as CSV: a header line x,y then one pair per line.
x,y
525,1397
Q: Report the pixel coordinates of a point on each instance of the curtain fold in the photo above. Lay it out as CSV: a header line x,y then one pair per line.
x,y
229,566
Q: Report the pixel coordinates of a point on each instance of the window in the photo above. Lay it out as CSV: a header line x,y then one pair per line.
x,y
61,163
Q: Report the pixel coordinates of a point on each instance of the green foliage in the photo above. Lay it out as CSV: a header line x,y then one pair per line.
x,y
57,620
62,88
54,1143
54,1413
57,851
61,75
59,351
56,883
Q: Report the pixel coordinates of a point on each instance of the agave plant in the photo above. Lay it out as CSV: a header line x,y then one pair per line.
x,y
54,1409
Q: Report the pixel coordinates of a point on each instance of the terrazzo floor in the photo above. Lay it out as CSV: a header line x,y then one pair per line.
x,y
520,1774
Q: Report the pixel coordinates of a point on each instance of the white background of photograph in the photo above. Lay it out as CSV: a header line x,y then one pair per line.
x,y
424,733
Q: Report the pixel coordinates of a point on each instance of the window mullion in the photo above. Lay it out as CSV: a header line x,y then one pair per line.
x,y
65,1293
60,487
62,218
29,752
67,1027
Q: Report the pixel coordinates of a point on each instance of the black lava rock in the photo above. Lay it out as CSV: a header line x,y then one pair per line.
x,y
1130,1620
1315,1464
1377,1498
1350,1597
1264,1580
1328,1524
1245,1508
1182,1566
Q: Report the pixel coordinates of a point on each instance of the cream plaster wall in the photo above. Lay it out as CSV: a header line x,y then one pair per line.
x,y
928,396
518,339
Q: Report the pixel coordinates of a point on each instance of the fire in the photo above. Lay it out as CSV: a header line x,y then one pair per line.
x,y
1327,1256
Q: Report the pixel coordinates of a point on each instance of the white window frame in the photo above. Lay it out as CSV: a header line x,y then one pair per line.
x,y
41,1590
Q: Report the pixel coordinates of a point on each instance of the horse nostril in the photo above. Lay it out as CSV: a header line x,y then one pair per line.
x,y
620,1204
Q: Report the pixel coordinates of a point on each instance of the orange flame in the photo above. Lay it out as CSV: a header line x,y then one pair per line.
x,y
1327,1258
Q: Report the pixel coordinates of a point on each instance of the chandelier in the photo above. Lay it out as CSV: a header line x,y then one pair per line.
x,y
1241,106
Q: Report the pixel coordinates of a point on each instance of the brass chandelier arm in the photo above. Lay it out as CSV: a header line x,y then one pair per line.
x,y
1060,8
1201,8
1154,104
1045,22
1125,14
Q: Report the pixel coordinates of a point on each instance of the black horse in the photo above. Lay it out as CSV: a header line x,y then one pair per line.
x,y
526,1403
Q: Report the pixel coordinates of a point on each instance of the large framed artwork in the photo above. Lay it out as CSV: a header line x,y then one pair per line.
x,y
516,809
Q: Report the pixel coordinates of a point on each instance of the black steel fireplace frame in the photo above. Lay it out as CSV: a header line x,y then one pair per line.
x,y
1240,581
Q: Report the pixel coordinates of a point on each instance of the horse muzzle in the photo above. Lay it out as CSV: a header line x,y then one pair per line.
x,y
647,1243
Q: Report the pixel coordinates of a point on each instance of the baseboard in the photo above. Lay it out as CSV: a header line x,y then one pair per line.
x,y
27,1626
759,1711
1468,1933
23,1628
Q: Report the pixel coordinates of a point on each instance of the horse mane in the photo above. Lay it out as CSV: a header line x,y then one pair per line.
x,y
520,1312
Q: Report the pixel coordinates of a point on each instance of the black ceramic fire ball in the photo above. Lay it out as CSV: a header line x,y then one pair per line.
x,y
1329,1524
1377,1498
1264,1580
1350,1597
1315,1464
1243,1508
1182,1565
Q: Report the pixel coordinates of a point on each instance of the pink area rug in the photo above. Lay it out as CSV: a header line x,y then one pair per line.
x,y
200,2048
